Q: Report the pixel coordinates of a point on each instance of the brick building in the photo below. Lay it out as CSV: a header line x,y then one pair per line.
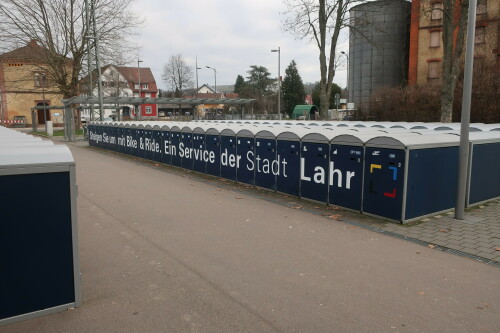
x,y
426,49
25,82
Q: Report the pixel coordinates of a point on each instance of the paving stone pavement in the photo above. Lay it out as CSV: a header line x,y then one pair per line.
x,y
477,235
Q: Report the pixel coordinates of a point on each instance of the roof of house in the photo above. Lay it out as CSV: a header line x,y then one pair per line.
x,y
31,52
131,74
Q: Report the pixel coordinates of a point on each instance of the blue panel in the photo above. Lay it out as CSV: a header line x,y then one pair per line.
x,y
485,172
36,250
92,136
200,154
384,180
114,139
288,179
186,150
228,157
158,145
212,143
267,166
345,176
106,135
134,142
245,169
166,156
149,145
129,149
121,141
432,181
314,171
175,139
141,136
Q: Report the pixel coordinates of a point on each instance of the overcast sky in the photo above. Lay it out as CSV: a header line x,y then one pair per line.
x,y
230,35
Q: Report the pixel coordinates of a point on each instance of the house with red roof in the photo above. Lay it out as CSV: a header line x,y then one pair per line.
x,y
119,81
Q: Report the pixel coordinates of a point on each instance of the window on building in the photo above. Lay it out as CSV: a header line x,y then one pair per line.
x,y
145,86
479,37
434,70
482,7
149,110
40,79
147,95
437,11
136,86
435,39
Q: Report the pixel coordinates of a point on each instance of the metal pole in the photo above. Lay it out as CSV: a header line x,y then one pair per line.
x,y
465,117
44,104
215,76
137,115
98,63
347,56
196,107
279,81
89,59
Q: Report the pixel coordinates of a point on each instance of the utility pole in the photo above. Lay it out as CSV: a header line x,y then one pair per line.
x,y
279,81
138,114
463,152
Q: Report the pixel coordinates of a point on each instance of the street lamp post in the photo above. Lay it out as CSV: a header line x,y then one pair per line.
x,y
348,90
43,80
279,81
138,111
215,76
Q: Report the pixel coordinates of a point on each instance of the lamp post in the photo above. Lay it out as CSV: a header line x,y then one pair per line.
x,y
43,79
348,90
139,74
215,76
279,82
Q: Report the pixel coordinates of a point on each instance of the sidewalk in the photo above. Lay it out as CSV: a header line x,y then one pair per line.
x,y
476,237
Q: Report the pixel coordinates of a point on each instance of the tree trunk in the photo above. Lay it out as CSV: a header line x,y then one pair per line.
x,y
454,27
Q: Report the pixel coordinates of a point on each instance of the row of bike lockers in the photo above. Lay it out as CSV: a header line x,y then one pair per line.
x,y
395,174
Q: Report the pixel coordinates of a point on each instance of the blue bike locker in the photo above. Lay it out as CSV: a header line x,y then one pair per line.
x,y
186,145
39,259
157,142
166,156
141,140
228,154
314,154
212,144
148,145
346,171
175,140
200,153
410,176
484,172
288,151
267,164
245,157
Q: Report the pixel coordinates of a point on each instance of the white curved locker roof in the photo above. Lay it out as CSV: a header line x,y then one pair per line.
x,y
414,141
35,156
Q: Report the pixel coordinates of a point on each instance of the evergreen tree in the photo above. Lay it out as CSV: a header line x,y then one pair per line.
x,y
258,79
239,85
292,89
316,95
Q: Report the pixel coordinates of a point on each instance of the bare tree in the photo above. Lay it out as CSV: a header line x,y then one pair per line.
x,y
454,30
59,27
177,74
321,21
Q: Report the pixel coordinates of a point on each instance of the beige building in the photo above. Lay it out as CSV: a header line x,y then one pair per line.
x,y
24,83
426,49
